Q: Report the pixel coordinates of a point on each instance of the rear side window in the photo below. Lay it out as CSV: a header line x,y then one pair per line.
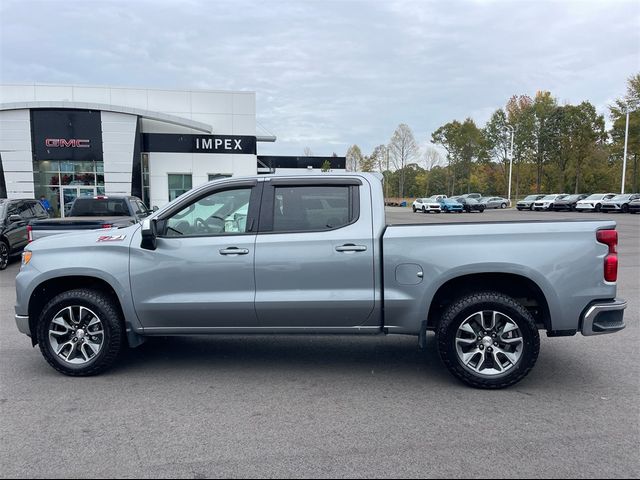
x,y
95,207
38,209
313,208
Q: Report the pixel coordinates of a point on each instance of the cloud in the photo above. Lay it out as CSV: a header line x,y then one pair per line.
x,y
330,74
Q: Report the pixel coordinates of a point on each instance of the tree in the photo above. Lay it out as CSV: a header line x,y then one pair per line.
x,y
353,158
402,150
543,107
367,164
326,166
618,115
308,152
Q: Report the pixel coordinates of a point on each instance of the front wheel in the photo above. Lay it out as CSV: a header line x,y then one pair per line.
x,y
80,332
488,340
415,209
625,208
4,254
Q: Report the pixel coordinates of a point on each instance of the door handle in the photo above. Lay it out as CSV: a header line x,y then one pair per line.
x,y
234,251
351,248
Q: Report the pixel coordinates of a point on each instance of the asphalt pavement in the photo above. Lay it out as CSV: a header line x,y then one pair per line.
x,y
196,407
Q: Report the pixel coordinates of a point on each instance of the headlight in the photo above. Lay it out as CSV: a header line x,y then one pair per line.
x,y
26,257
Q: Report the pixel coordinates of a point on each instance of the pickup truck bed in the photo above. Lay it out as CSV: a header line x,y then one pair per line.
x,y
91,213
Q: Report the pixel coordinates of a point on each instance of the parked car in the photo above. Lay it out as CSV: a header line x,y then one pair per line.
x,y
593,202
546,203
495,202
470,204
619,203
527,202
475,196
89,213
427,205
194,269
634,206
569,202
15,216
449,205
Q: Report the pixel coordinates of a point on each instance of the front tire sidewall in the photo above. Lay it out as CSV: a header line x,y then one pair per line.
x,y
459,311
103,306
4,254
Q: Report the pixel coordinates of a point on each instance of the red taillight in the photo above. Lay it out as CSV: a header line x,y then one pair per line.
x,y
107,225
610,239
29,233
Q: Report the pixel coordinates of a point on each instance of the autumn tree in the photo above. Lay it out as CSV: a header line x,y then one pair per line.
x,y
403,149
353,158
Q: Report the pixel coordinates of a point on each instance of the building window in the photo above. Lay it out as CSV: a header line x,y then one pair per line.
x,y
178,184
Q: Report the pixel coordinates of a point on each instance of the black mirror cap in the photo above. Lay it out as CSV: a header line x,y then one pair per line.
x,y
149,234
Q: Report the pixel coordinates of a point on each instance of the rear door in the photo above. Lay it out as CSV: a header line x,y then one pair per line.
x,y
314,265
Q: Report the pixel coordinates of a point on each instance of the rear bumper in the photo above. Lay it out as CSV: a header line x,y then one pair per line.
x,y
603,317
22,322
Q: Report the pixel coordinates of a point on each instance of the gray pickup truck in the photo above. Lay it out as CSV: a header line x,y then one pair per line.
x,y
312,254
90,213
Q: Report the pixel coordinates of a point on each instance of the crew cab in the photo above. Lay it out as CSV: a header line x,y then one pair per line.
x,y
90,213
266,255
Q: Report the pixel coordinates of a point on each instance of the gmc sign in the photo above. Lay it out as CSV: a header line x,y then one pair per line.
x,y
67,143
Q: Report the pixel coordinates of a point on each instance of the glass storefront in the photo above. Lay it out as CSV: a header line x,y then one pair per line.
x,y
61,182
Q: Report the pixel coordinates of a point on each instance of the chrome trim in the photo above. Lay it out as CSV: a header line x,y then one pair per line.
x,y
593,311
22,322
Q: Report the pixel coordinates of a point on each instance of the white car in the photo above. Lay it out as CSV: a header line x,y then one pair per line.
x,y
593,203
426,205
546,203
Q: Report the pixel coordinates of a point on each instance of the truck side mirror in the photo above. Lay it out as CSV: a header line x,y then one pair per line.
x,y
15,219
149,234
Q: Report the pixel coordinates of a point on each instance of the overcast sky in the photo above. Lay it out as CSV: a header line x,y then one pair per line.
x,y
328,74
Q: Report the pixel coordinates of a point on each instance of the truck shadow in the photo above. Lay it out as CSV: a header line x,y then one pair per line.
x,y
311,354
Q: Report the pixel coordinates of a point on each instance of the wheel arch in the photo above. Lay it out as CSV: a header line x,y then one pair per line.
x,y
48,289
521,288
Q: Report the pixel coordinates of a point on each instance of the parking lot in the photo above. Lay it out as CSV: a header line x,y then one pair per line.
x,y
195,407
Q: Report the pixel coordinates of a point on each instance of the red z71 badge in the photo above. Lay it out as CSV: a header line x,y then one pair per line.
x,y
111,238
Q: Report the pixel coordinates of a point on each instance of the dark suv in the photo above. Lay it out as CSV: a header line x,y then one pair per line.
x,y
15,215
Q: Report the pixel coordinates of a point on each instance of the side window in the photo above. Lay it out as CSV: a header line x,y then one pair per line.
x,y
25,211
221,213
141,210
39,210
312,208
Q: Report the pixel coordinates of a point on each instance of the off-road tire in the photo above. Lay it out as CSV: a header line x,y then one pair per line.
x,y
109,314
455,315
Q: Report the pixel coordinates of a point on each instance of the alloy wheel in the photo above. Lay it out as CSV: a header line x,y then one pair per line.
x,y
76,335
4,255
489,343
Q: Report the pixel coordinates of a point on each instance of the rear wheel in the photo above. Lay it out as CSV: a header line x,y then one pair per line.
x,y
80,332
488,340
4,254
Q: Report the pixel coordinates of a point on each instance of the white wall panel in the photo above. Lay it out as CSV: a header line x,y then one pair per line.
x,y
244,103
168,101
17,93
211,102
244,125
54,93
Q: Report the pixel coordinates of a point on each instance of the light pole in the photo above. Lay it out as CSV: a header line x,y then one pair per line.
x,y
624,157
510,127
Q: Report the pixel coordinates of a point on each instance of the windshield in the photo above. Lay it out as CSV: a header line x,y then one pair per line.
x,y
98,207
550,197
595,196
531,198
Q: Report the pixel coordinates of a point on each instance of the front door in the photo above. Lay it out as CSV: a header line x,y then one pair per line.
x,y
314,256
200,276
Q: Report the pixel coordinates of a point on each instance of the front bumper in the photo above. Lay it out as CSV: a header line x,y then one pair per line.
x,y
22,322
603,317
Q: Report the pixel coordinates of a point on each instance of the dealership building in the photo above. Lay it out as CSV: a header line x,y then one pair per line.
x,y
65,141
